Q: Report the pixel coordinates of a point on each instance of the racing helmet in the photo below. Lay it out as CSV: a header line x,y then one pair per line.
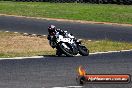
x,y
52,29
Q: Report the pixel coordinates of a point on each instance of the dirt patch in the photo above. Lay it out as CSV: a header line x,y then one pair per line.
x,y
14,44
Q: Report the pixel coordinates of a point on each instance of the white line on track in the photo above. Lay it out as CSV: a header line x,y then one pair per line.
x,y
110,52
69,87
96,53
15,32
22,57
25,33
34,34
59,87
43,35
6,31
74,86
89,40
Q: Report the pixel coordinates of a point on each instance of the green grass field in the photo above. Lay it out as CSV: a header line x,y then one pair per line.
x,y
74,11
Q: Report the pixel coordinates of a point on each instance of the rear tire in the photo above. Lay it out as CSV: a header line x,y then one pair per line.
x,y
64,50
58,53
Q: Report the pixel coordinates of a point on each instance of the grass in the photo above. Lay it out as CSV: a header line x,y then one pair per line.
x,y
106,45
15,45
75,11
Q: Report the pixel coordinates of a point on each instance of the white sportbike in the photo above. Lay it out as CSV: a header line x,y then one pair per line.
x,y
69,46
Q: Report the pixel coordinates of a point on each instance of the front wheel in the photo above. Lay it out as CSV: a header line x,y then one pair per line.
x,y
83,50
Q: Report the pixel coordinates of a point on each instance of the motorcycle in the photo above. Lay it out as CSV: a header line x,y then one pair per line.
x,y
69,46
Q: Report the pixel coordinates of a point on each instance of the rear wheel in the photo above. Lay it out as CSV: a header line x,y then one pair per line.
x,y
58,53
66,49
83,50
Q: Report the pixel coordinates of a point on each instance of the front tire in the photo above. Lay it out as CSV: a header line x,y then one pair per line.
x,y
83,50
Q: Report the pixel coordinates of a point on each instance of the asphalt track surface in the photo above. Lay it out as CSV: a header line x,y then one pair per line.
x,y
51,71
61,72
88,31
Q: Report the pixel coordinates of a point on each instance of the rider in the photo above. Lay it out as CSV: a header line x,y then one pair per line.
x,y
52,32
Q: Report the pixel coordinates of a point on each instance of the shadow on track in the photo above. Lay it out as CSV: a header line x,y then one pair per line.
x,y
53,56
